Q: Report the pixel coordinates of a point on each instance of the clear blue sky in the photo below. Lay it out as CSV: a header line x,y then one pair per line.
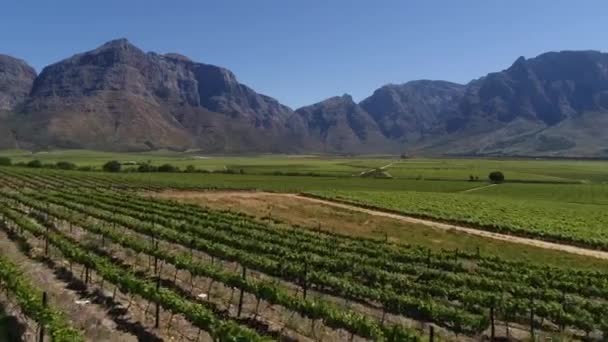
x,y
305,51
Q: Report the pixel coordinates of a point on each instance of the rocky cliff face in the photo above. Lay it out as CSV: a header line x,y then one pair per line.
x,y
16,79
118,97
549,88
532,107
414,109
339,124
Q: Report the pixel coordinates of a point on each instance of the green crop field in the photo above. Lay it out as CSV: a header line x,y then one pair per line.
x,y
519,170
254,269
579,224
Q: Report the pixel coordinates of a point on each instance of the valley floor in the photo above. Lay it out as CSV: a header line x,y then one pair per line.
x,y
350,219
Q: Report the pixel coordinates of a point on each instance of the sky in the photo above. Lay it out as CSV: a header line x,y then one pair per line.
x,y
304,51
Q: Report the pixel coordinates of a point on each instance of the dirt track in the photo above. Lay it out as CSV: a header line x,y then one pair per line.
x,y
275,197
478,232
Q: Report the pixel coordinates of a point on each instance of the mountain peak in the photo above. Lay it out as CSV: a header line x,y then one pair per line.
x,y
16,80
120,43
347,97
177,57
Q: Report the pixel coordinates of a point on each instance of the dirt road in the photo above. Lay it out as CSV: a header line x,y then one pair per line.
x,y
472,231
255,200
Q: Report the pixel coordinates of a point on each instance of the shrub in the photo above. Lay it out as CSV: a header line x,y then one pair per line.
x,y
168,168
34,163
112,166
5,161
147,167
85,168
190,168
497,177
64,165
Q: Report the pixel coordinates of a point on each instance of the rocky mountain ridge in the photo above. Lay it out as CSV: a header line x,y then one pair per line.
x,y
118,97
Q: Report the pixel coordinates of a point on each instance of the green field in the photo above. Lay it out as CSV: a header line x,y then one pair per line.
x,y
556,200
259,164
446,277
516,170
579,224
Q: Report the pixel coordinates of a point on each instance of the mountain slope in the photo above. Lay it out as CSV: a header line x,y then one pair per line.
x,y
409,111
16,79
540,106
338,124
119,97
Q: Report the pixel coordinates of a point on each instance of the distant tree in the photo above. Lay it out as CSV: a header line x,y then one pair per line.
x,y
190,169
168,168
471,178
112,166
64,165
147,167
5,161
34,163
496,177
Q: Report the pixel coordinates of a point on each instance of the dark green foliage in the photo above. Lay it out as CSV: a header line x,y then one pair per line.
x,y
168,168
64,165
147,167
190,169
5,161
496,177
112,166
34,163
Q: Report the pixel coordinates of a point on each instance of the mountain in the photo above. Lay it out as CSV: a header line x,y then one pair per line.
x,y
415,109
553,104
338,124
118,97
16,80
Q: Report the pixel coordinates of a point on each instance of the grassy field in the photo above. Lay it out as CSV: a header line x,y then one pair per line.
x,y
439,274
259,164
557,200
578,224
518,170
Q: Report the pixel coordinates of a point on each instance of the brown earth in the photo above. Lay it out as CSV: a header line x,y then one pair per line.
x,y
348,218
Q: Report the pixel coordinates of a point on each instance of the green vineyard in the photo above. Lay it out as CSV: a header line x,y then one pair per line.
x,y
227,276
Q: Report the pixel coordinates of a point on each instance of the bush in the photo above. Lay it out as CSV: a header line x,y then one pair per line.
x,y
497,177
147,167
64,165
190,169
168,168
85,168
34,163
112,166
5,161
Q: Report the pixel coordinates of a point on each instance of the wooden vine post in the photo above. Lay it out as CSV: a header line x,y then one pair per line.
x,y
431,333
492,330
157,307
305,279
46,241
240,307
155,256
532,336
41,326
